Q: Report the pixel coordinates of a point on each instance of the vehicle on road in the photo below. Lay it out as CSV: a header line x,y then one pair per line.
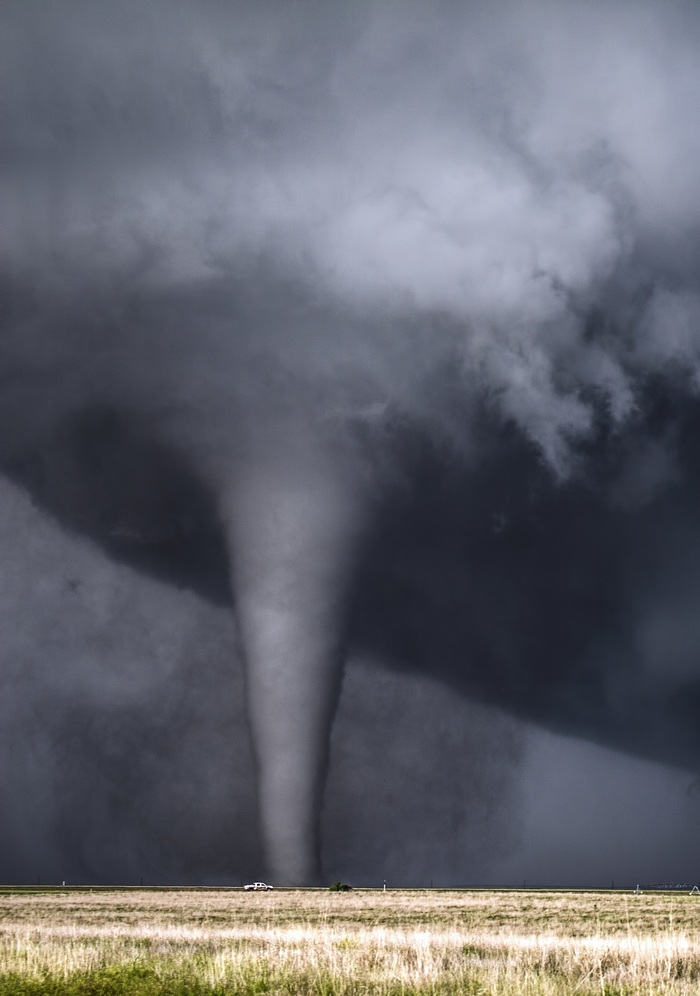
x,y
258,887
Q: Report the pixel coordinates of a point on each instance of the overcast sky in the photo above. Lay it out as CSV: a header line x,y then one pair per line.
x,y
439,260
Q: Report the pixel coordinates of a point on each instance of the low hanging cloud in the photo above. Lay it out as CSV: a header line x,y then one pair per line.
x,y
499,174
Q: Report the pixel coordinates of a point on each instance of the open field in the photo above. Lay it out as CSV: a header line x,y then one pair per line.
x,y
221,942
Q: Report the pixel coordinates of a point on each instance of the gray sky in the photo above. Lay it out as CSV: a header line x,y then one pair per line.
x,y
443,259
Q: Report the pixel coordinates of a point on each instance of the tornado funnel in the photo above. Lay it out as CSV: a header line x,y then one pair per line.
x,y
290,539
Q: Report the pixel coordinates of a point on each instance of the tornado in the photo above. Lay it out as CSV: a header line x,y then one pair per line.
x,y
291,531
466,233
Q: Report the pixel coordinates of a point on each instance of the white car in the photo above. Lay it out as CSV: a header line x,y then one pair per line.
x,y
258,887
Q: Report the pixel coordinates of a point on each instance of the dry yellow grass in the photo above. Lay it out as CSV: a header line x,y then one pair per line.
x,y
479,942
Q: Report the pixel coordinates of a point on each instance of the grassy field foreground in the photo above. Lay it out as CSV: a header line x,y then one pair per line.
x,y
187,942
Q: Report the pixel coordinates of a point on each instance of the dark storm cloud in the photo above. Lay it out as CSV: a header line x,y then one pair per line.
x,y
496,175
441,262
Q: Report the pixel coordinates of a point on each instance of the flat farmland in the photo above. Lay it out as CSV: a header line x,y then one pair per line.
x,y
207,942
